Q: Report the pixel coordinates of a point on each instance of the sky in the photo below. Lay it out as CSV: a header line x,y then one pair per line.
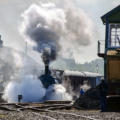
x,y
10,19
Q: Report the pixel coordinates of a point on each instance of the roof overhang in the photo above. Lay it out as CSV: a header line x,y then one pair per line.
x,y
111,14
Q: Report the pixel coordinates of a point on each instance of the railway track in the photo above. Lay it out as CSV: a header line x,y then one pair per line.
x,y
44,116
63,116
67,115
52,111
48,111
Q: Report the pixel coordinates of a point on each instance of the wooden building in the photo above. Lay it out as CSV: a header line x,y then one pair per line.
x,y
77,79
111,54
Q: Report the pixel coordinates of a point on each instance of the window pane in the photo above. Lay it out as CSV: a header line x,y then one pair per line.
x,y
114,40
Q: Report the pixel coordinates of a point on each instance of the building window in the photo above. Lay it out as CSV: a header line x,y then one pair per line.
x,y
114,36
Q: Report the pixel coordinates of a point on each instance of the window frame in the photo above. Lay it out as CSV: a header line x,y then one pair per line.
x,y
109,35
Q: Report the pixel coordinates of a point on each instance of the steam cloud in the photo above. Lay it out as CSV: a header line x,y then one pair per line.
x,y
41,25
56,30
27,84
52,31
30,88
57,92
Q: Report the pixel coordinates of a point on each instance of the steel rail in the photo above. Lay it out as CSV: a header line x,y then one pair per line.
x,y
44,116
73,114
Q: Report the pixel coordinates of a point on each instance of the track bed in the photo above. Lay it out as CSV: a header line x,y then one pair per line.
x,y
51,111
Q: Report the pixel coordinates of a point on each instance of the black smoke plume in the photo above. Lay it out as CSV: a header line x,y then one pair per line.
x,y
57,30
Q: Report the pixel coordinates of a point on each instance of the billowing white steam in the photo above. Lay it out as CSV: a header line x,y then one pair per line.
x,y
85,86
32,90
57,92
27,84
29,87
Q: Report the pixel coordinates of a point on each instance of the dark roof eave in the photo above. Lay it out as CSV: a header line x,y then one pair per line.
x,y
103,21
109,13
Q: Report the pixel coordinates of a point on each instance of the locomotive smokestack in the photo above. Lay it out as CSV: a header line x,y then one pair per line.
x,y
46,69
46,60
46,79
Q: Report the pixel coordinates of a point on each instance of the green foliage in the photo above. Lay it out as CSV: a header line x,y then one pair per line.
x,y
96,65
